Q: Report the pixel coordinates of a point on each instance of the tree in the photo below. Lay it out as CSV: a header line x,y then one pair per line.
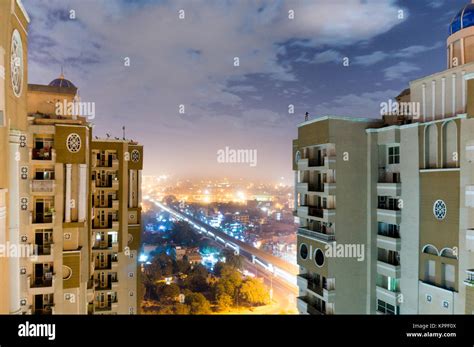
x,y
254,292
218,268
224,302
198,304
181,309
168,292
232,259
168,309
151,274
182,266
228,283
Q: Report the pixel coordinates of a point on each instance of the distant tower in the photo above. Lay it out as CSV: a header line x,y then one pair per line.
x,y
460,43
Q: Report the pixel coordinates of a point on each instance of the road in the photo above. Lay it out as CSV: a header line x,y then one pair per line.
x,y
281,270
283,293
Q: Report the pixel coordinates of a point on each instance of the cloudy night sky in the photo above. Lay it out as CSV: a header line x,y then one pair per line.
x,y
190,62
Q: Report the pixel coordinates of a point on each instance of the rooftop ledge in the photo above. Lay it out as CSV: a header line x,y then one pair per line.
x,y
349,119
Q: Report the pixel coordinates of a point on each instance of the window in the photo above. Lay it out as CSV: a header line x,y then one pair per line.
x,y
430,271
394,155
448,275
445,304
319,257
429,298
439,209
303,251
383,307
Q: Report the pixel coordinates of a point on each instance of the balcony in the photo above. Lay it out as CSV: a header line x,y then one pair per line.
x,y
307,305
42,186
302,187
330,188
110,183
110,163
115,204
43,154
45,219
45,311
469,281
109,224
41,285
387,296
389,216
106,285
44,253
317,288
389,189
325,163
326,215
388,269
105,245
301,305
303,164
103,307
318,235
390,243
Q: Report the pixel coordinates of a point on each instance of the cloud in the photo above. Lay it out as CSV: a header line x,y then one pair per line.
x,y
187,61
399,71
365,104
329,56
407,52
436,3
370,59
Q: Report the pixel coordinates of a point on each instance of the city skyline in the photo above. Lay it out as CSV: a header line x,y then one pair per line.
x,y
282,62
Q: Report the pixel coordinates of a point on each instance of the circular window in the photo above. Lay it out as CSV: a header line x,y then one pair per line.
x,y
439,209
130,238
73,143
67,272
16,63
303,251
135,156
319,257
297,157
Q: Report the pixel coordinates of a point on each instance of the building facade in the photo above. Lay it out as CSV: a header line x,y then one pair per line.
x,y
13,125
69,206
405,185
116,224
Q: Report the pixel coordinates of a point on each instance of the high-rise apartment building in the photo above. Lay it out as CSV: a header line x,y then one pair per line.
x,y
13,125
54,212
393,199
116,227
70,207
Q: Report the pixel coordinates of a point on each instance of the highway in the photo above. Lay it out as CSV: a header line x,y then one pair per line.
x,y
279,268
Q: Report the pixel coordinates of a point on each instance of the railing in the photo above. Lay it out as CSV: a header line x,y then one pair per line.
x,y
44,249
46,310
388,261
319,234
102,245
388,207
42,154
42,281
392,234
316,212
42,218
316,188
42,186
